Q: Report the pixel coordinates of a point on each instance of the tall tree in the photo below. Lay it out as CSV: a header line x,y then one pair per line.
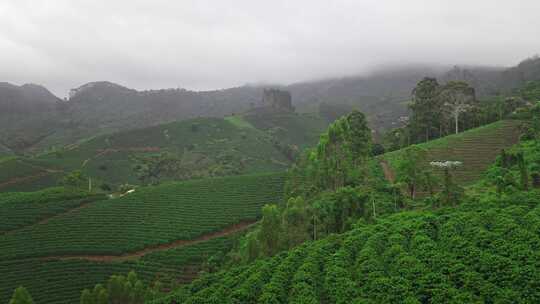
x,y
21,296
412,169
337,161
425,107
295,221
270,230
457,97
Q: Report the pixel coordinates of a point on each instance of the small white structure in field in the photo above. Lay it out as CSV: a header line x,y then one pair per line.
x,y
447,164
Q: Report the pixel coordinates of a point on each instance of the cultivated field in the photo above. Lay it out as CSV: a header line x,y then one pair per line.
x,y
436,257
477,149
57,250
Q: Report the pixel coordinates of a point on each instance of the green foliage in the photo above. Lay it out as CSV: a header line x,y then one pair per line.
x,y
483,250
295,222
531,91
21,296
440,110
74,179
338,160
425,107
120,290
269,232
412,169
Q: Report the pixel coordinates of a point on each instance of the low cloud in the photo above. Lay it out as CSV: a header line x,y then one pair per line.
x,y
207,44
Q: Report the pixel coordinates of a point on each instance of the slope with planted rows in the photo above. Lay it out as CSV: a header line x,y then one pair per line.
x,y
438,256
476,149
156,230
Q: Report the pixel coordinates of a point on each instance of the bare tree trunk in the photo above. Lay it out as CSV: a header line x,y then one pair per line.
x,y
456,116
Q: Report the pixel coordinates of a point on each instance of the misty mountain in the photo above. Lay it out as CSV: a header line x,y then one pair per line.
x,y
28,98
33,118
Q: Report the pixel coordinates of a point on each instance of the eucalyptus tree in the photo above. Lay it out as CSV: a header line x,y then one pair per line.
x,y
457,97
425,107
338,160
450,190
412,169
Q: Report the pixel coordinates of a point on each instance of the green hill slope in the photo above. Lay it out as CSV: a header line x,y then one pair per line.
x,y
196,148
165,231
480,252
300,130
476,149
18,174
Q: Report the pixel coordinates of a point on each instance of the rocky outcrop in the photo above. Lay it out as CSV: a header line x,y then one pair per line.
x,y
278,99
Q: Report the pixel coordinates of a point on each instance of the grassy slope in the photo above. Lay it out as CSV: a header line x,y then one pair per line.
x,y
147,217
302,130
476,148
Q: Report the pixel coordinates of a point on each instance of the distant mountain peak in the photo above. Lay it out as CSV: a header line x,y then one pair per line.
x,y
97,86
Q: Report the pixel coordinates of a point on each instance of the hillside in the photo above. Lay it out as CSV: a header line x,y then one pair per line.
x,y
195,148
28,98
104,107
477,149
479,252
17,174
164,232
300,130
28,114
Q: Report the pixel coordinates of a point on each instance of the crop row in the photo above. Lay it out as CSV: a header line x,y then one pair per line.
x,y
27,208
474,254
476,149
148,217
61,281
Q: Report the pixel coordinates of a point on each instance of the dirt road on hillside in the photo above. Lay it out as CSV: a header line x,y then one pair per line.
x,y
140,253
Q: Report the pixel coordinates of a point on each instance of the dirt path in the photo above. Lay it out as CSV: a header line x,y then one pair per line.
x,y
388,173
140,253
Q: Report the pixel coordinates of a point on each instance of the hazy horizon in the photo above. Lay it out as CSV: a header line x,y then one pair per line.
x,y
205,45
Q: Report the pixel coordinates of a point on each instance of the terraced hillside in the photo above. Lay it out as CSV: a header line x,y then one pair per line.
x,y
23,209
18,174
196,148
166,230
476,149
477,253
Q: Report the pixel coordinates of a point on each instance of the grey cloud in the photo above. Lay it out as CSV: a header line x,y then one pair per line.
x,y
205,44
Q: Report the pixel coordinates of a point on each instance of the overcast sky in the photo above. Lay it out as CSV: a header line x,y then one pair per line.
x,y
203,44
